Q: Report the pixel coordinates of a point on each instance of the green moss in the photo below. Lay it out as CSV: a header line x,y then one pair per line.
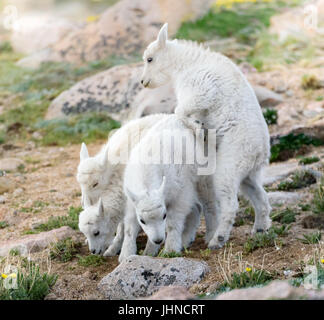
x,y
310,82
308,160
83,128
287,146
3,224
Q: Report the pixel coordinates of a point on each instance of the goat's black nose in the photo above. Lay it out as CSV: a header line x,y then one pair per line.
x,y
93,251
158,241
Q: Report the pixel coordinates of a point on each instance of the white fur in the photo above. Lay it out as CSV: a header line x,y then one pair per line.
x,y
214,94
162,198
98,177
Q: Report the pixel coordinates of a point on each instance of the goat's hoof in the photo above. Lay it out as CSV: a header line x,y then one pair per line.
x,y
220,238
260,231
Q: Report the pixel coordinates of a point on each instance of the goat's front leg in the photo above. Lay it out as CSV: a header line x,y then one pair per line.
x,y
115,247
176,219
132,229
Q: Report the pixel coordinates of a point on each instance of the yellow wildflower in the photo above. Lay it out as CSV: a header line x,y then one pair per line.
x,y
92,19
4,276
322,261
247,269
13,275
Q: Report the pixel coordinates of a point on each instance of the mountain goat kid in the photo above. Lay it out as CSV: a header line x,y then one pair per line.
x,y
162,195
212,93
100,176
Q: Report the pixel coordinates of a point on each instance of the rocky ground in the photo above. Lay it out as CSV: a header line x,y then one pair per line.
x,y
38,184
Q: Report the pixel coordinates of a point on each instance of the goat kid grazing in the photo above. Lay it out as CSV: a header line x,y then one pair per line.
x,y
101,176
164,194
212,93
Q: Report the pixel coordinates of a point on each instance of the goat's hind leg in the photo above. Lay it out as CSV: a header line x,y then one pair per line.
x,y
252,189
191,226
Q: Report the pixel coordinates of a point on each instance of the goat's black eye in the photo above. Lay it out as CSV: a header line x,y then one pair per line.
x,y
96,233
142,221
149,60
95,185
164,217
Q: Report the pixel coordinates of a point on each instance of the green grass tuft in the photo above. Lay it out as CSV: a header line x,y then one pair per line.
x,y
299,180
3,224
71,220
82,128
64,250
91,260
318,200
311,238
172,254
286,216
246,279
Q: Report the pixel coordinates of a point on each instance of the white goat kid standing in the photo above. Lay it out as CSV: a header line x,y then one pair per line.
x,y
214,94
99,177
163,197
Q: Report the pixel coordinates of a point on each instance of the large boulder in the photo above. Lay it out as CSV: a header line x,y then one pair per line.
x,y
141,276
125,28
118,92
276,290
35,242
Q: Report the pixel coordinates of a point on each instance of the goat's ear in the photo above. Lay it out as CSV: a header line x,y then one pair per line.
x,y
104,159
132,196
101,207
163,36
83,152
86,201
162,187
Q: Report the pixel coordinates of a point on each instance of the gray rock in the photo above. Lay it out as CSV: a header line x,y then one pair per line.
x,y
280,197
275,290
266,97
35,242
141,276
6,185
277,172
172,293
10,164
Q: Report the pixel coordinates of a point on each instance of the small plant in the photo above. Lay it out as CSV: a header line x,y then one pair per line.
x,y
205,253
245,279
91,260
308,160
287,146
262,240
14,252
311,238
31,284
310,82
286,216
299,180
172,254
70,220
64,250
318,200
270,116
3,224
